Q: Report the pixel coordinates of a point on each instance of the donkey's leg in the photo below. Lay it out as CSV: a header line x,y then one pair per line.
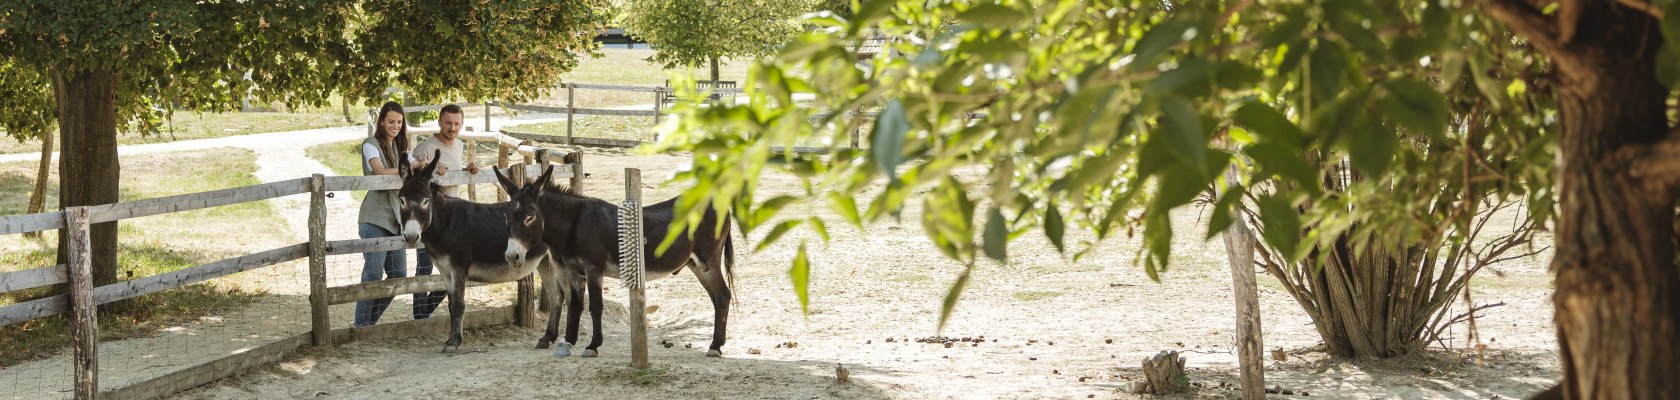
x,y
574,307
595,308
711,277
457,302
552,289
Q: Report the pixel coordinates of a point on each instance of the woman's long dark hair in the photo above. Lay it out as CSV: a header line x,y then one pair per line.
x,y
392,155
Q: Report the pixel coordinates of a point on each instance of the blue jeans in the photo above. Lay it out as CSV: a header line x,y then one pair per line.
x,y
378,265
425,303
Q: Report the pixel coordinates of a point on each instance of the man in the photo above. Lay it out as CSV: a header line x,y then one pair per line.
x,y
450,119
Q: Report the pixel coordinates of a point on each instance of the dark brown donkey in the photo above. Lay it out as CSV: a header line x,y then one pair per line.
x,y
468,241
582,232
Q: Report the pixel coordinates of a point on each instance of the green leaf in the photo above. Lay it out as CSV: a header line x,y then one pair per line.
x,y
888,139
846,207
800,274
996,238
951,296
991,15
1671,26
1191,76
1280,224
1327,66
1158,40
1667,68
1053,228
1157,243
1274,158
1269,123
777,232
821,228
1285,31
1417,106
1371,147
1182,128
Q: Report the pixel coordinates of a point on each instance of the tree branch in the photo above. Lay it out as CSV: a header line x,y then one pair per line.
x,y
1526,21
1658,164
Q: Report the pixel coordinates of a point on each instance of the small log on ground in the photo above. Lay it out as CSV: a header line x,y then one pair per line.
x,y
1165,373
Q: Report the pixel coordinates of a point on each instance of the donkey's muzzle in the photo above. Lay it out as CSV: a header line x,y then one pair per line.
x,y
515,253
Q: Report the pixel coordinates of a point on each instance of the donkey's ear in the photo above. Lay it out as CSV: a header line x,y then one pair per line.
x,y
403,165
547,176
429,170
507,184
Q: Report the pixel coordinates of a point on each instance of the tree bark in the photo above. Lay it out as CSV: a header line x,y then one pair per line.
x,y
38,197
714,71
1618,290
87,162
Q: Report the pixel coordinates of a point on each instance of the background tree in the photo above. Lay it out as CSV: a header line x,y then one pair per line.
x,y
109,62
1118,112
27,91
689,33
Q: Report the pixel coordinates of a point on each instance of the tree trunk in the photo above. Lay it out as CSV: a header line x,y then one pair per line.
x,y
87,162
38,197
714,71
1618,290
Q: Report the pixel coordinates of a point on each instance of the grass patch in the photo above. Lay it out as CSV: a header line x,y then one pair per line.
x,y
147,246
630,67
1035,296
597,126
189,125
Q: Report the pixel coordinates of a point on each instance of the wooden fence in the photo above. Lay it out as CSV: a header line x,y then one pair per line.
x,y
83,296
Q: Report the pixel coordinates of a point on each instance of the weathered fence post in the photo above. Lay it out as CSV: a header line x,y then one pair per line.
x,y
630,247
570,112
84,317
658,103
472,158
501,162
575,159
857,129
1239,246
318,261
487,109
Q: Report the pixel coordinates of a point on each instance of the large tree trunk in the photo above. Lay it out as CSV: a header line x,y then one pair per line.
x,y
714,71
38,197
87,162
1618,290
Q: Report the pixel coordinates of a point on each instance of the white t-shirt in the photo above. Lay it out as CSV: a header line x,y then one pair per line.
x,y
370,152
451,157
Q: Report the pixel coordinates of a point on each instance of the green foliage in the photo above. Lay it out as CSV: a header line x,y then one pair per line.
x,y
1346,120
692,32
209,56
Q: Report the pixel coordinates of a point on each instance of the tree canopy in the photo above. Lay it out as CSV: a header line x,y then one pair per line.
x,y
689,33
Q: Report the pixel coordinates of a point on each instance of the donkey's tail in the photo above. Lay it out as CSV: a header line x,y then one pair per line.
x,y
729,267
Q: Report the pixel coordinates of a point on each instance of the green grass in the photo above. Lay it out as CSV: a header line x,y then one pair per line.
x,y
189,125
597,126
629,67
341,158
146,246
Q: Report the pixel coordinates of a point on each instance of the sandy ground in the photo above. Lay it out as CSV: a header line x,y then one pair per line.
x,y
1046,327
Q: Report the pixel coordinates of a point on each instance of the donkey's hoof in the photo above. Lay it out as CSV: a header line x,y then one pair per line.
x,y
562,350
450,348
542,344
714,353
590,353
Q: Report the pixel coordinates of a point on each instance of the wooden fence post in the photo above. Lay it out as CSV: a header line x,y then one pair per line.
x,y
631,247
570,113
658,103
84,317
487,109
318,261
1239,246
472,158
501,162
575,159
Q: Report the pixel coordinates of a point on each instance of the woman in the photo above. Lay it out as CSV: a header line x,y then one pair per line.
x,y
379,216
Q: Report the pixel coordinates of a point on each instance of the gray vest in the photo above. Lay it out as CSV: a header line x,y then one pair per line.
x,y
380,206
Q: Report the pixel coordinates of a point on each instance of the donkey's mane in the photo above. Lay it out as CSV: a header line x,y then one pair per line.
x,y
556,188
